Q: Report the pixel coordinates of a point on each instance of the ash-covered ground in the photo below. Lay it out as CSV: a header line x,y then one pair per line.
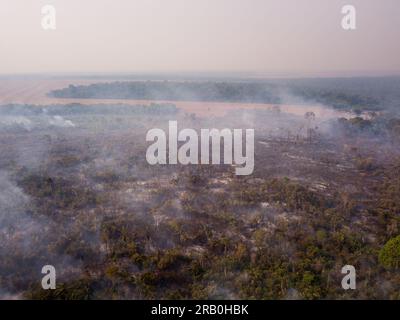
x,y
78,193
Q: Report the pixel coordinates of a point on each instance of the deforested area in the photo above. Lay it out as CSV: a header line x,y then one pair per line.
x,y
78,193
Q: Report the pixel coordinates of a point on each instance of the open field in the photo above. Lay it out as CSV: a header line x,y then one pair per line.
x,y
34,91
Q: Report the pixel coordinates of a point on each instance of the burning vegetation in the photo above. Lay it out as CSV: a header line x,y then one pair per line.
x,y
77,193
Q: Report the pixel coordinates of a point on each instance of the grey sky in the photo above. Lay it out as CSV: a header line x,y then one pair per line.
x,y
292,36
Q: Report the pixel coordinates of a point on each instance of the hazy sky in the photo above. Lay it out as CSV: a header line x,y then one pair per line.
x,y
292,36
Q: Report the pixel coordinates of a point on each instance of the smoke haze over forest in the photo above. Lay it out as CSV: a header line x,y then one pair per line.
x,y
78,192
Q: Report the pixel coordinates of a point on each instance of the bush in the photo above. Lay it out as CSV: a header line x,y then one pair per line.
x,y
389,256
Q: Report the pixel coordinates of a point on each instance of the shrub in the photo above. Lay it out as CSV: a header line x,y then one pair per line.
x,y
389,255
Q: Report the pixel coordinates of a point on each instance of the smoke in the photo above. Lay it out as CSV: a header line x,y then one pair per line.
x,y
25,238
13,206
17,228
59,121
16,121
75,181
4,295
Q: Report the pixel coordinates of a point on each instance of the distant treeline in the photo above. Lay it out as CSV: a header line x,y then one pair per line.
x,y
348,94
174,91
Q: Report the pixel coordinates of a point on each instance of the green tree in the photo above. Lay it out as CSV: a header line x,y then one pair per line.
x,y
389,255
